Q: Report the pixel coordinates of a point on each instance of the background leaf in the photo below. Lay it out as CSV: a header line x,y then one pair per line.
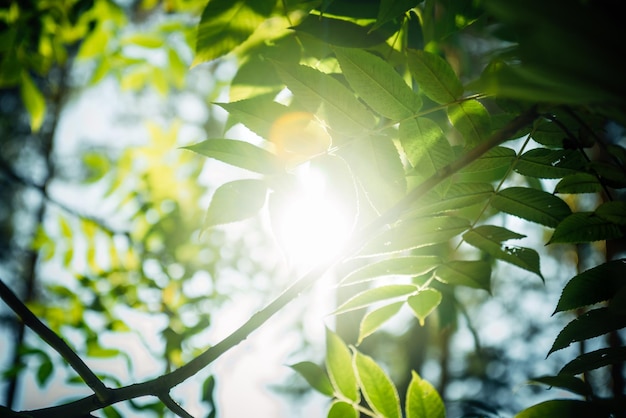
x,y
376,294
239,154
315,376
563,408
235,201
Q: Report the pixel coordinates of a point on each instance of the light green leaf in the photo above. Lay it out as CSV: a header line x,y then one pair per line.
x,y
614,212
471,119
258,113
425,145
550,164
143,39
424,303
532,204
422,400
434,76
377,294
33,101
239,154
339,367
581,227
341,109
578,183
563,408
456,196
235,201
340,409
375,319
591,324
476,274
489,238
315,376
378,389
378,84
415,233
594,360
409,265
491,166
95,350
595,285
225,24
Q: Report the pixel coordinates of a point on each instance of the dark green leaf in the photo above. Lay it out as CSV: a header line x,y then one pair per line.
x,y
375,319
44,372
422,399
595,285
476,274
391,9
425,145
489,238
583,227
424,303
578,183
240,154
609,174
378,389
614,212
550,164
258,113
532,204
378,84
569,383
595,360
340,409
339,367
564,408
471,119
315,375
371,296
410,265
588,325
342,32
434,76
455,196
235,201
491,166
617,305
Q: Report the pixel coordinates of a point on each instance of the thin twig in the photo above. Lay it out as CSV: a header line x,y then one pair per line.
x,y
173,406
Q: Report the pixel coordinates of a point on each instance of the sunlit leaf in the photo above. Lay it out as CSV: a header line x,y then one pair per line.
x,y
375,319
240,154
550,164
312,88
564,408
425,145
595,285
434,76
457,196
583,227
377,294
235,201
378,389
33,101
342,32
225,24
471,119
340,409
258,113
409,265
315,375
391,9
145,40
378,84
532,204
422,399
569,383
476,274
489,238
415,233
594,360
424,303
588,325
578,183
339,367
491,166
95,350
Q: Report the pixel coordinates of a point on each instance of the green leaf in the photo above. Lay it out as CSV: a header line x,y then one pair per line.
x,y
532,204
471,119
489,238
377,294
44,372
378,84
563,408
491,166
33,101
391,9
341,109
144,40
611,175
595,360
455,196
434,76
475,274
581,227
415,233
235,201
578,183
378,390
424,303
258,113
614,212
409,265
315,376
550,164
422,399
342,32
588,325
225,24
375,319
425,145
239,154
569,383
340,409
339,367
95,350
595,285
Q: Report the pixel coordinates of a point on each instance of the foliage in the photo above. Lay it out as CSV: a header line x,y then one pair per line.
x,y
433,157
